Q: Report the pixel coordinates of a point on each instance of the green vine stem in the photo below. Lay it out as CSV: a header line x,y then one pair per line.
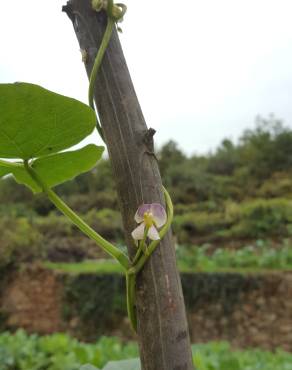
x,y
130,293
86,229
137,255
112,18
141,247
97,63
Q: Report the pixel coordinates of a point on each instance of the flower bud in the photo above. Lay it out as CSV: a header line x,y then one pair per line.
x,y
117,12
98,5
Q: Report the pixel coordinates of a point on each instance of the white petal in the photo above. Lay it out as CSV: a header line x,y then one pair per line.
x,y
138,233
153,233
159,214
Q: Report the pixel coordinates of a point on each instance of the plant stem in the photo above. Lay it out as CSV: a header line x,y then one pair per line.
x,y
130,286
97,63
137,255
141,246
86,229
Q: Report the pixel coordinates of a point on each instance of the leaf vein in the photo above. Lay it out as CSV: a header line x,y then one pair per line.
x,y
20,151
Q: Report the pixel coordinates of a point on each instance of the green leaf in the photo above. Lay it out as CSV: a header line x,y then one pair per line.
x,y
123,365
35,122
4,171
58,168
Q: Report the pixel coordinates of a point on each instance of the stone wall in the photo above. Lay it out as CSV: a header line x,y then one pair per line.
x,y
32,300
248,310
261,318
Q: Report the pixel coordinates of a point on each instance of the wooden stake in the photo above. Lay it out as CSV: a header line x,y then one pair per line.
x,y
162,327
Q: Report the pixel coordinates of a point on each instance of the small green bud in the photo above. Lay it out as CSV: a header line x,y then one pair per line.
x,y
98,5
117,12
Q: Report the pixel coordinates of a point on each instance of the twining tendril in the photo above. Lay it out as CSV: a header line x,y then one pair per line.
x,y
115,13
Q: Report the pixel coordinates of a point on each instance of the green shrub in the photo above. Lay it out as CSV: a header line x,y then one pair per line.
x,y
84,203
259,255
63,241
279,185
20,241
207,206
253,219
106,222
195,224
54,225
15,210
41,204
261,217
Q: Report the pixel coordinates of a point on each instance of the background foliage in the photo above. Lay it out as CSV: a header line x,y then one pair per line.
x,y
239,193
60,352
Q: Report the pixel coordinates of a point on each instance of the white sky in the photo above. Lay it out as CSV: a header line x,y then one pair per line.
x,y
202,71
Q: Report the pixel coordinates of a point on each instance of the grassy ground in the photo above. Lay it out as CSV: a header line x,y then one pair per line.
x,y
112,267
101,266
258,257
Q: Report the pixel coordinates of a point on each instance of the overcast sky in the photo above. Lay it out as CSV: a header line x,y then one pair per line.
x,y
202,69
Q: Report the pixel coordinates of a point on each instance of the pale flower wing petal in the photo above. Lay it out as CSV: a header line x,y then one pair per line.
x,y
140,212
159,214
153,233
138,233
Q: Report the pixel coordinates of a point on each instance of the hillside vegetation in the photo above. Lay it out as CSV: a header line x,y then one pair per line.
x,y
239,193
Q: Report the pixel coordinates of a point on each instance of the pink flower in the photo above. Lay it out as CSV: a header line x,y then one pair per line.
x,y
150,216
